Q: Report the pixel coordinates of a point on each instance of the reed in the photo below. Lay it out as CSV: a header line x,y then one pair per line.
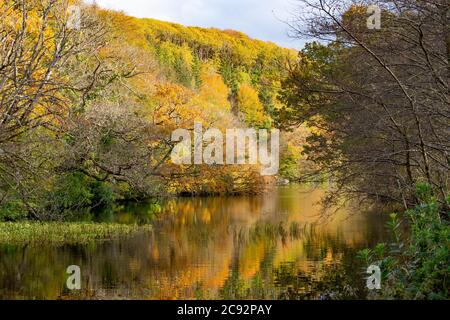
x,y
64,232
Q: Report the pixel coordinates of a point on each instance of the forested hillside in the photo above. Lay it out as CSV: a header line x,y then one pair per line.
x,y
189,56
88,111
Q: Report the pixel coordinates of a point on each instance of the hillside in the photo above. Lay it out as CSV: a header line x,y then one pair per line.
x,y
98,105
251,69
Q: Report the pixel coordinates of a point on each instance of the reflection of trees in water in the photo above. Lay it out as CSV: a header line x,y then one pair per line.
x,y
241,247
336,281
107,269
332,270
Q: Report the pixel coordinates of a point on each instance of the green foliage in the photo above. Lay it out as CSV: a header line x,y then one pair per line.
x,y
57,233
71,191
424,192
75,192
196,72
12,211
416,265
178,62
230,76
102,194
301,103
289,166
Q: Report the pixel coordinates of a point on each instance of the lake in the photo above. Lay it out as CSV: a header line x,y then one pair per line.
x,y
270,246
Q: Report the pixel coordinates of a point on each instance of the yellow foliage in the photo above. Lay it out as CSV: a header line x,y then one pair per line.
x,y
250,106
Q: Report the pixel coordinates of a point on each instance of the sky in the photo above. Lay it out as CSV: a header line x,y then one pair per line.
x,y
260,19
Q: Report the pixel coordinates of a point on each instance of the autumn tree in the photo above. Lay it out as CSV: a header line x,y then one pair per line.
x,y
378,98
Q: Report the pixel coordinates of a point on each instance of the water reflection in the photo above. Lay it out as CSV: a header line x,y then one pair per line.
x,y
259,247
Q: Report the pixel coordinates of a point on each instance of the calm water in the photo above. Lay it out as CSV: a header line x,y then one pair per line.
x,y
259,247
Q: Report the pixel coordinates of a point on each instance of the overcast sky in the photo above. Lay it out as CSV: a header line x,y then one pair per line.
x,y
260,19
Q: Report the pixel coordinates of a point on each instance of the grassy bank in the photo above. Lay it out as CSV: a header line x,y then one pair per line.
x,y
60,233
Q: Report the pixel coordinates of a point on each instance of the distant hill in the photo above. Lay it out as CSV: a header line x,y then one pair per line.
x,y
183,52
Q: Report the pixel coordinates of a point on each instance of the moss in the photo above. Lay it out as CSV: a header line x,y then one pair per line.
x,y
60,233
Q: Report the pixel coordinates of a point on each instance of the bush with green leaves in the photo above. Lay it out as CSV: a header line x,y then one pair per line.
x,y
416,265
74,193
12,210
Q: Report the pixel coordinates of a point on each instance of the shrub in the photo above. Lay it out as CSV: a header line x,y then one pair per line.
x,y
416,265
12,211
75,193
